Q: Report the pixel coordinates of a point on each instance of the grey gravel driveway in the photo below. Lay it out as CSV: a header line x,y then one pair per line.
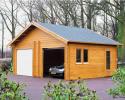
x,y
34,88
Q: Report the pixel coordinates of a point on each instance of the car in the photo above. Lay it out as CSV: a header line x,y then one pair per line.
x,y
57,71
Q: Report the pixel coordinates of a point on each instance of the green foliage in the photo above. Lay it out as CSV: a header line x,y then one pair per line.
x,y
119,76
119,80
10,90
72,90
5,66
121,39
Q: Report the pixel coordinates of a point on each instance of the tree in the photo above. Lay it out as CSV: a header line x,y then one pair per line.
x,y
61,11
9,15
29,7
81,4
116,10
42,15
50,5
2,46
90,11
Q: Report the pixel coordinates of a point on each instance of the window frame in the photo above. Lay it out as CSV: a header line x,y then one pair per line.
x,y
87,60
80,56
108,66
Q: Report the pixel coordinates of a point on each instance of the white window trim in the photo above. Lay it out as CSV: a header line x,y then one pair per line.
x,y
78,62
85,62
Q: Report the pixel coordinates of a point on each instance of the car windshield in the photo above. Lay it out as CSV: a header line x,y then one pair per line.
x,y
60,67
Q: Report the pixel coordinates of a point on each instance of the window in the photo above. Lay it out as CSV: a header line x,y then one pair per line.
x,y
107,59
78,55
85,55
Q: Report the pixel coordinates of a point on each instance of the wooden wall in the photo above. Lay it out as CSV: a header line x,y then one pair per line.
x,y
96,66
36,40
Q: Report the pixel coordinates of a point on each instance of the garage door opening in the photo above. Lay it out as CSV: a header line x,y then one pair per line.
x,y
53,62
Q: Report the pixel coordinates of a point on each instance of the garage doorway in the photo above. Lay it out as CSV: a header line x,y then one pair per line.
x,y
53,62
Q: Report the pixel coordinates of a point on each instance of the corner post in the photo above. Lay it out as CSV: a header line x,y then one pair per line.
x,y
66,63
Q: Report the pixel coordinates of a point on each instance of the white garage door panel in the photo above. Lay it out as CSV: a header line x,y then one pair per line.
x,y
24,62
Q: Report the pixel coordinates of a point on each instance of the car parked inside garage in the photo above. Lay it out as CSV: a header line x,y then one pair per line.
x,y
57,71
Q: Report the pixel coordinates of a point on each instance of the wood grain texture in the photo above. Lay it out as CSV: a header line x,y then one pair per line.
x,y
96,66
30,27
66,63
36,40
14,60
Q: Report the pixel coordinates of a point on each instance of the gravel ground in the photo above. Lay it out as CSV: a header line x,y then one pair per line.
x,y
34,86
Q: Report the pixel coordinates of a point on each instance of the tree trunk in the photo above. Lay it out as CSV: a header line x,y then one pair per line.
x,y
66,19
82,14
89,22
121,39
2,48
121,32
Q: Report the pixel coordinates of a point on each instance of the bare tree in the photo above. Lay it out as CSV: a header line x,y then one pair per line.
x,y
51,15
90,11
29,7
62,12
42,13
9,16
82,18
73,12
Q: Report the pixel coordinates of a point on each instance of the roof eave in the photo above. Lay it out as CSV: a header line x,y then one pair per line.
x,y
10,43
40,27
54,35
95,43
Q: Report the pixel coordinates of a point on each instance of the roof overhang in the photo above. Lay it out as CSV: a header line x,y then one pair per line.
x,y
119,44
34,24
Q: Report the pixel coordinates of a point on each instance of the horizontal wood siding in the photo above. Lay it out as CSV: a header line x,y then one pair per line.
x,y
38,35
66,63
96,66
36,40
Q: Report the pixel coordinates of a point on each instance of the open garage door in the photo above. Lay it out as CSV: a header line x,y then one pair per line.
x,y
24,62
53,62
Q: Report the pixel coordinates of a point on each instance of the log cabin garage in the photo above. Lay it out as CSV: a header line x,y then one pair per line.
x,y
84,53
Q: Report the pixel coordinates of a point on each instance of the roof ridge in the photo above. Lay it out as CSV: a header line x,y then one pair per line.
x,y
62,32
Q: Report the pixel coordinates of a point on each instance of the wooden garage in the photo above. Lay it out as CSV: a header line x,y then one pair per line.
x,y
86,54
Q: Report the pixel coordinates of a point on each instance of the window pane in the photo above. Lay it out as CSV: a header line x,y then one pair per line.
x,y
78,55
107,59
85,52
